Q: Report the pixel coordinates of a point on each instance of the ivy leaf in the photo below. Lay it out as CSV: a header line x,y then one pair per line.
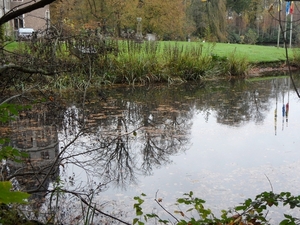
x,y
7,196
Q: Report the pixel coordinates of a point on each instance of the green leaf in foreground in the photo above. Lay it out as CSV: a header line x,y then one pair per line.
x,y
7,196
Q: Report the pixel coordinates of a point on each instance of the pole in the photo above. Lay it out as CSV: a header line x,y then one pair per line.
x,y
291,30
279,11
285,31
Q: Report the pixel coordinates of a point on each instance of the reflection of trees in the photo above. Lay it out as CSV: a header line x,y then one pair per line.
x,y
164,139
116,152
117,140
116,159
140,131
126,136
130,136
238,103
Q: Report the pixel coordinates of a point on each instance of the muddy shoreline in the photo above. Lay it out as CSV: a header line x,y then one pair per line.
x,y
273,68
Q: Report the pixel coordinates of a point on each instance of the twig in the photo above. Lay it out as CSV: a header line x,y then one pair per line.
x,y
270,183
164,207
94,208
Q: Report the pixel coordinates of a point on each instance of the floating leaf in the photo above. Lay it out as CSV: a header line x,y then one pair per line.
x,y
179,212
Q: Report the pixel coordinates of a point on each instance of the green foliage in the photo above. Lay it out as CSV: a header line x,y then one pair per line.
x,y
8,152
8,112
251,37
251,211
238,6
296,57
197,205
7,196
135,63
233,37
137,206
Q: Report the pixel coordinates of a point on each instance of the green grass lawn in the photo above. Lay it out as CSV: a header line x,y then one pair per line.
x,y
254,53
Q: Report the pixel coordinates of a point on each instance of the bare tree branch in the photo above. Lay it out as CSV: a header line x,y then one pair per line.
x,y
23,69
18,12
97,210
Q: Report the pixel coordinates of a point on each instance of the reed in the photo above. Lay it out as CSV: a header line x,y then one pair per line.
x,y
137,63
114,61
236,65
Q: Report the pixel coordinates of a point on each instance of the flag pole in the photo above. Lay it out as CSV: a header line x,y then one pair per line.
x,y
287,12
279,11
285,31
285,25
291,24
291,30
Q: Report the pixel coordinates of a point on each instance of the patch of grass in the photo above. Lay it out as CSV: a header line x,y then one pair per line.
x,y
11,46
253,53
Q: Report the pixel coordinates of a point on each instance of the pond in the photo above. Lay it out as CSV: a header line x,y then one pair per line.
x,y
226,141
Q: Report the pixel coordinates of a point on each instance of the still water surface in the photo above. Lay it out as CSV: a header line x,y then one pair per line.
x,y
225,141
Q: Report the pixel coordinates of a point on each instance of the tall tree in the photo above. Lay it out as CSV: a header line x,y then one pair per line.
x,y
163,17
238,6
160,17
210,19
217,18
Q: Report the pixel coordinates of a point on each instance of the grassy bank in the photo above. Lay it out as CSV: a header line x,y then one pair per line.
x,y
131,63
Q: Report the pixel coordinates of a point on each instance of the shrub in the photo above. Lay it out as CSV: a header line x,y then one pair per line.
x,y
251,37
252,211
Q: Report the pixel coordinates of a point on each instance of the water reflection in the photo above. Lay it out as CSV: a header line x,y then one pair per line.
x,y
36,133
280,95
126,138
133,137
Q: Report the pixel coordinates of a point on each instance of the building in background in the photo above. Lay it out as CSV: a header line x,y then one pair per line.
x,y
4,8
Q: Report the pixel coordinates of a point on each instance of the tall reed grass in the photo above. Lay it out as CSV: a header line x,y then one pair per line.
x,y
114,61
236,65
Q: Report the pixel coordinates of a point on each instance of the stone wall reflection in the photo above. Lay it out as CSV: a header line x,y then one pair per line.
x,y
35,132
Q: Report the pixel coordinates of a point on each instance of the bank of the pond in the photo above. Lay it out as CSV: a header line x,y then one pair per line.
x,y
273,68
127,62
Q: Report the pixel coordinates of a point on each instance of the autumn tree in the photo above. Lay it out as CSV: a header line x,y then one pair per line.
x,y
210,19
238,6
165,18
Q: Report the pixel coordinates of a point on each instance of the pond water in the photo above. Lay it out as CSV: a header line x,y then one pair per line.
x,y
225,141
